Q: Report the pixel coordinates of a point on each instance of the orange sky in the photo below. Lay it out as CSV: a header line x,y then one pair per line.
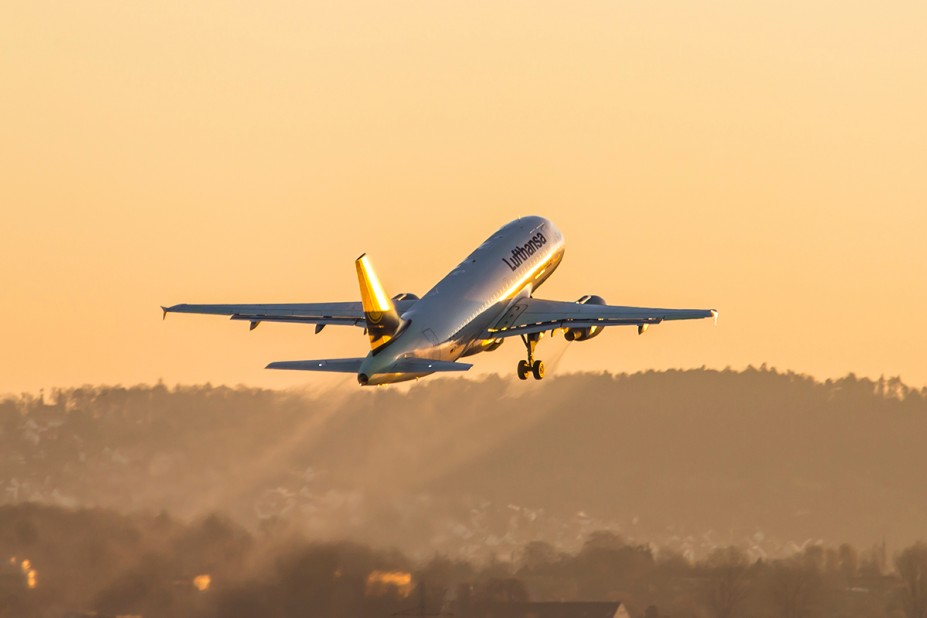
x,y
767,159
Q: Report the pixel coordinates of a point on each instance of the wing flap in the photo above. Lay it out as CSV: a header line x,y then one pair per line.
x,y
324,319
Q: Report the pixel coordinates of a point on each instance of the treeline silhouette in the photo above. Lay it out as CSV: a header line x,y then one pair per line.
x,y
100,563
689,460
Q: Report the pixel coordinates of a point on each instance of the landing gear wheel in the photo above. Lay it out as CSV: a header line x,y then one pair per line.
x,y
537,369
534,367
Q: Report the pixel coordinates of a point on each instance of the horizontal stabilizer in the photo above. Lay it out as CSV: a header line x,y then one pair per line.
x,y
339,365
424,365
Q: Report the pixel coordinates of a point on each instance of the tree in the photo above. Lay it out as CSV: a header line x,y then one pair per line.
x,y
794,589
606,565
814,558
537,555
848,561
502,590
912,568
727,587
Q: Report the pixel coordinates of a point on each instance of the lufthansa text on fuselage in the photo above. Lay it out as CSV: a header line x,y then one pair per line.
x,y
523,252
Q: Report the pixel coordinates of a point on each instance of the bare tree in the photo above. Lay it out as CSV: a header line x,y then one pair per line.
x,y
537,555
795,590
727,587
912,568
848,560
502,590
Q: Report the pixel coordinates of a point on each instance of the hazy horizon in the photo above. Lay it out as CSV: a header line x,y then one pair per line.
x,y
761,456
652,489
337,387
212,567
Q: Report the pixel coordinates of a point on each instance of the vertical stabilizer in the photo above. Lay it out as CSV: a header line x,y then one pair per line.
x,y
382,320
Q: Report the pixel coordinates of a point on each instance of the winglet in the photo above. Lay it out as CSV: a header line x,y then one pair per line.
x,y
383,321
164,314
714,314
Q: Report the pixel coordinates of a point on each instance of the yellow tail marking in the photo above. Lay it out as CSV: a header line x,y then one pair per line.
x,y
379,311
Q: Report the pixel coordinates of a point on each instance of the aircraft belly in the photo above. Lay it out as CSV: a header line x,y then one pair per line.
x,y
392,378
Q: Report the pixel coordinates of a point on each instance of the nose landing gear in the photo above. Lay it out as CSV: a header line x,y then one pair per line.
x,y
534,367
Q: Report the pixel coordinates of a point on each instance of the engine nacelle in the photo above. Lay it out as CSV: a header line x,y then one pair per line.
x,y
582,334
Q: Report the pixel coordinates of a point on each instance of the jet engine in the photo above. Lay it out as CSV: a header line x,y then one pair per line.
x,y
582,334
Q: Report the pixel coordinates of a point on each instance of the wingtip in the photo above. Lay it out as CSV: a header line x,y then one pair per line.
x,y
163,312
361,256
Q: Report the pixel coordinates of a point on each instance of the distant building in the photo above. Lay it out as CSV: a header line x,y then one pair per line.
x,y
13,577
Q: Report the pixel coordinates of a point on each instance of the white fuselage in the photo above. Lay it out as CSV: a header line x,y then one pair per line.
x,y
453,318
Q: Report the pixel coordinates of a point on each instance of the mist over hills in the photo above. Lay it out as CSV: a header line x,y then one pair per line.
x,y
83,563
687,460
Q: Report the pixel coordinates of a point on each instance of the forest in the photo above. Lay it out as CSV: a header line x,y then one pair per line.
x,y
97,562
687,493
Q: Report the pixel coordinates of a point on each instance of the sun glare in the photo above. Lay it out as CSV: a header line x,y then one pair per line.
x,y
202,582
382,582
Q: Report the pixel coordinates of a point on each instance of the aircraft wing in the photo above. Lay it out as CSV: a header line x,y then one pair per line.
x,y
353,365
321,314
532,315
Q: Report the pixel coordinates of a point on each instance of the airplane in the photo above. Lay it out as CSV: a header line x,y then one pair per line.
x,y
484,300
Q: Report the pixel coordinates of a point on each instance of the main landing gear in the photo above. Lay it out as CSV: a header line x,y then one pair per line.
x,y
534,367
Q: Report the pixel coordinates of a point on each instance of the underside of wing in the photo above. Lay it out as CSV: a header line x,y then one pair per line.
x,y
339,313
531,315
353,365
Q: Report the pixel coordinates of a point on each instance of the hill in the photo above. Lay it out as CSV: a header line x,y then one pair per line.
x,y
689,460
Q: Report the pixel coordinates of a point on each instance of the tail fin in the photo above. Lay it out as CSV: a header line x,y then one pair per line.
x,y
382,320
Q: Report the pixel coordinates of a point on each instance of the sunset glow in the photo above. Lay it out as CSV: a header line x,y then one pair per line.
x,y
379,582
202,582
764,158
32,576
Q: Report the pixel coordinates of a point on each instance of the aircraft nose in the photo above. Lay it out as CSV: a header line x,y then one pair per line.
x,y
362,379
